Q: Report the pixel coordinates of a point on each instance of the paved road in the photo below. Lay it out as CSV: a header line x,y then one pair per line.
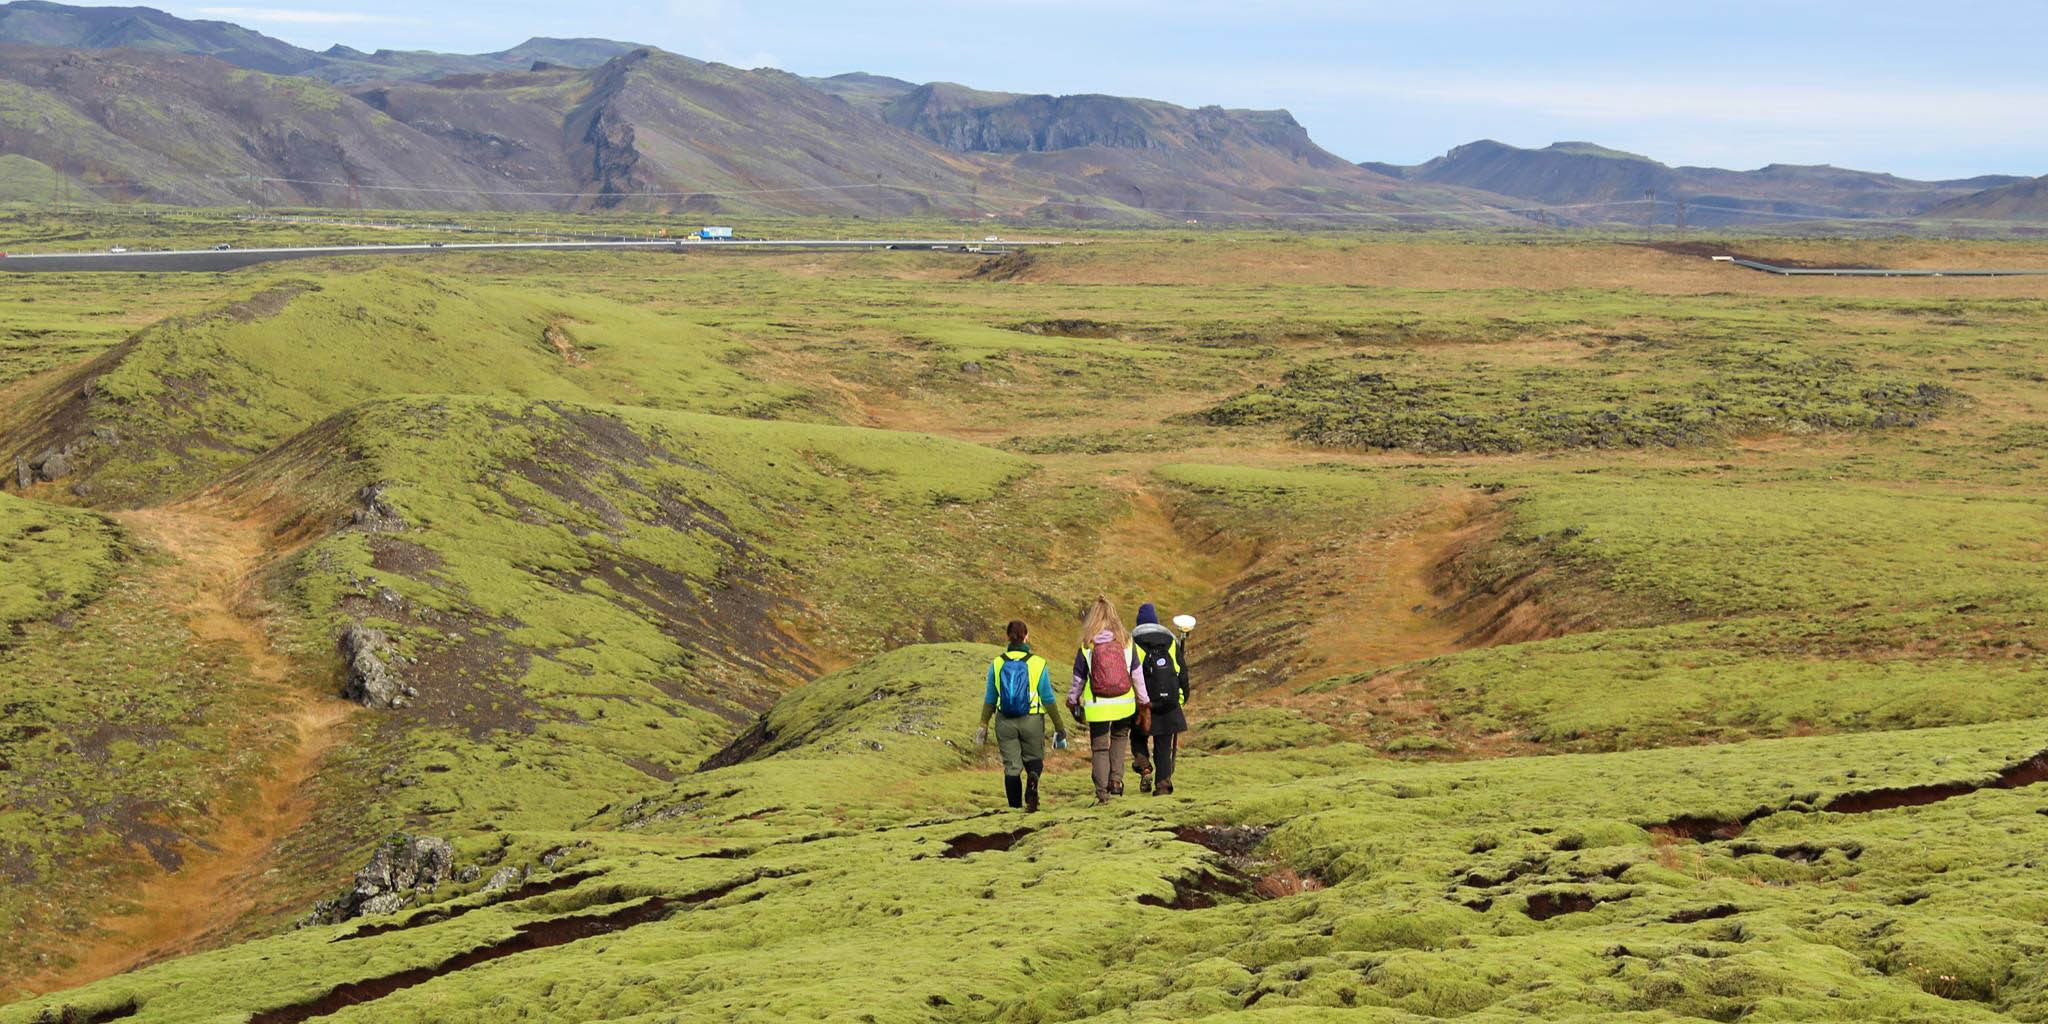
x,y
230,259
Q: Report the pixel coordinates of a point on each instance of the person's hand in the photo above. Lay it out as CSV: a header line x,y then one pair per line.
x,y
981,737
1059,741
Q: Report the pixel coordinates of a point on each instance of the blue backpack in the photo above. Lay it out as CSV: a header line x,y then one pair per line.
x,y
1013,687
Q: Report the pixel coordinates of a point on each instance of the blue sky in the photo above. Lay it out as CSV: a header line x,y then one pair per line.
x,y
1925,90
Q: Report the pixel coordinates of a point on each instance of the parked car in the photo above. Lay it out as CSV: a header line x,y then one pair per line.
x,y
222,247
118,248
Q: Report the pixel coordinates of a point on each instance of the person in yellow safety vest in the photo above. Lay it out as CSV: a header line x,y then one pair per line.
x,y
1165,659
1019,685
1108,693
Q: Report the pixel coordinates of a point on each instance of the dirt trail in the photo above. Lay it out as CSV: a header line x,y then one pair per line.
x,y
218,557
1346,606
1163,562
1387,587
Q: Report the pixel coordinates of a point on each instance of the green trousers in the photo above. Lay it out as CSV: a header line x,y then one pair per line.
x,y
1022,740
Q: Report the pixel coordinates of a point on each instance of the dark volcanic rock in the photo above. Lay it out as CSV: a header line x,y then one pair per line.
x,y
55,466
376,515
402,867
371,682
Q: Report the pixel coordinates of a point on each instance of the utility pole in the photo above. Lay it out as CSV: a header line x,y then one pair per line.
x,y
1650,218
1680,201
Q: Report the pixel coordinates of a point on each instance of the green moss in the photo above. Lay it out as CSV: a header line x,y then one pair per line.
x,y
54,560
1727,391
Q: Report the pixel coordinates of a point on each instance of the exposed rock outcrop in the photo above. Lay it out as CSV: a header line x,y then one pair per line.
x,y
377,515
371,681
403,867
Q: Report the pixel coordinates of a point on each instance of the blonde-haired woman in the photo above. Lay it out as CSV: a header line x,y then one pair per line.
x,y
1108,691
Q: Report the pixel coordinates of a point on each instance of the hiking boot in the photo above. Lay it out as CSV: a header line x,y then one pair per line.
x,y
1031,795
1144,782
1164,789
1013,788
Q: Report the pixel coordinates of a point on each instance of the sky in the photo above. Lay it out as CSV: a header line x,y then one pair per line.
x,y
1924,90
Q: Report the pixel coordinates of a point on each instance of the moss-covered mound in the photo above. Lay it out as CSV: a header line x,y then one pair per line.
x,y
1788,880
190,398
1677,402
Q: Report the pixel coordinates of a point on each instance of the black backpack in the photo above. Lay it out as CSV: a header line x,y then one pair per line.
x,y
1163,672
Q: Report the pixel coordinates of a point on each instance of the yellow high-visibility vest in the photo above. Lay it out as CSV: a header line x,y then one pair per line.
x,y
1108,709
1034,670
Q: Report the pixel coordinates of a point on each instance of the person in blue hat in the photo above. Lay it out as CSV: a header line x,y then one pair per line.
x,y
1164,656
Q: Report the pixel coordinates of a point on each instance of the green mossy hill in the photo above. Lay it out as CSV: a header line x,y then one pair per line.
x,y
829,754
587,600
1716,394
1763,607
1696,883
193,397
895,700
1281,503
1717,543
55,560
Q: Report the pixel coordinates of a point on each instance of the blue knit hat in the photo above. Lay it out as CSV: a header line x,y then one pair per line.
x,y
1148,615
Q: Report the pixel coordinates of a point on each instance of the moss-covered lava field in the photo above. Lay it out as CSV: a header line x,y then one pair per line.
x,y
1588,632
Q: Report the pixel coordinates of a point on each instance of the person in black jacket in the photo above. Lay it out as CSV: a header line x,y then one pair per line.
x,y
1160,651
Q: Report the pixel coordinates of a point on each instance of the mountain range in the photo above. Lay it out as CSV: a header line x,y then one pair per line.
x,y
139,105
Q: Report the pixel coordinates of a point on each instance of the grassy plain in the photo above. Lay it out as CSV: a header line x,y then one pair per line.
x,y
1589,632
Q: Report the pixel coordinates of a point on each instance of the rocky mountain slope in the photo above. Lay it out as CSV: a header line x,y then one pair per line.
x,y
578,123
165,128
659,131
2025,200
40,23
1593,183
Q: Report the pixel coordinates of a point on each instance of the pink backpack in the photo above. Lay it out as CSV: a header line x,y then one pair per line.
x,y
1108,675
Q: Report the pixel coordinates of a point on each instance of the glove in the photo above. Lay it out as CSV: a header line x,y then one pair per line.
x,y
1059,741
981,737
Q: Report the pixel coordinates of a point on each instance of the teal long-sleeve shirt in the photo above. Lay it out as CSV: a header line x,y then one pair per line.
x,y
1043,684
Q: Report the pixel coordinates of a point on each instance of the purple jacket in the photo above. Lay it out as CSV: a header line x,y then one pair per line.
x,y
1081,670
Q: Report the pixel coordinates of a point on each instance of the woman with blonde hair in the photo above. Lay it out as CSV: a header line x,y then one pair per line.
x,y
1108,693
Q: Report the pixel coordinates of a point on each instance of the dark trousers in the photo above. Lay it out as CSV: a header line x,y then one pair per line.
x,y
1159,758
1164,750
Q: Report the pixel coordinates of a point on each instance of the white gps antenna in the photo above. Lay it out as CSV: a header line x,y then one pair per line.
x,y
1184,623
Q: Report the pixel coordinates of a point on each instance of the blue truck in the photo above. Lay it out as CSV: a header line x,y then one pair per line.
x,y
716,234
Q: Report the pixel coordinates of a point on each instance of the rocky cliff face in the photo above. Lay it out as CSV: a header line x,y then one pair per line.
x,y
967,121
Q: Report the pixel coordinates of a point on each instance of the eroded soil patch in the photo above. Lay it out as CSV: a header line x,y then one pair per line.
x,y
961,846
1545,905
1245,874
530,936
2032,771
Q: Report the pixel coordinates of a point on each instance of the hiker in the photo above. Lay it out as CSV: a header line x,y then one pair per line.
x,y
1020,687
1108,693
1162,656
